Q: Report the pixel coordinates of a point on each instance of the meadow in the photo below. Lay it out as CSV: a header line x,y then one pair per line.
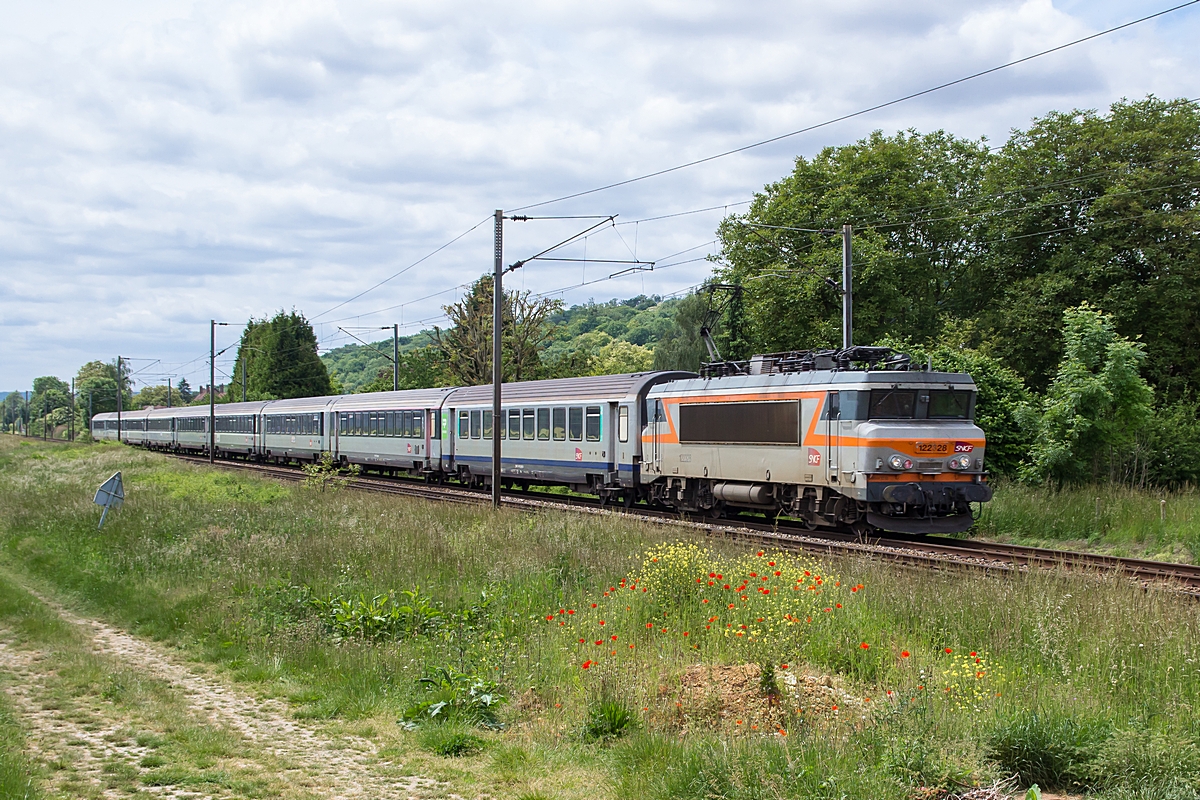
x,y
574,655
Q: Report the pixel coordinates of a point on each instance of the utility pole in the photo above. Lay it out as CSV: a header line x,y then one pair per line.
x,y
396,360
497,371
847,287
71,422
120,391
244,377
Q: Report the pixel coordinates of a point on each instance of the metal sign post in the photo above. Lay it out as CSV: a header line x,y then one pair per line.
x,y
111,494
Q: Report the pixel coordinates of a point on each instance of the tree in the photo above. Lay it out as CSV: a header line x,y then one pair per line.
x,y
618,357
681,347
909,257
185,391
467,346
423,368
279,359
1099,208
1095,407
156,396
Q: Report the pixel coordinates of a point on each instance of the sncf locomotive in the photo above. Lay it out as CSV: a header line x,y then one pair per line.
x,y
857,438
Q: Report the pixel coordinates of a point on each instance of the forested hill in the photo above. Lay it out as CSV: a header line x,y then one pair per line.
x,y
642,321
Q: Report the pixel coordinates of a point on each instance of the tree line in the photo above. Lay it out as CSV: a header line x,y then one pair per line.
x,y
1060,269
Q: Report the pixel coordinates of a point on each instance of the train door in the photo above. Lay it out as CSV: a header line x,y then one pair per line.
x,y
657,416
833,438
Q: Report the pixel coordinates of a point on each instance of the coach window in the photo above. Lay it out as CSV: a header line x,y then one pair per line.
x,y
593,423
475,424
487,424
543,424
528,423
464,430
418,426
559,426
514,423
623,424
575,424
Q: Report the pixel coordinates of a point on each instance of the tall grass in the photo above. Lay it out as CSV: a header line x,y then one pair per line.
x,y
1163,525
948,675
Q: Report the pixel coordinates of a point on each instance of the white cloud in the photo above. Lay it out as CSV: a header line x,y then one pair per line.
x,y
167,162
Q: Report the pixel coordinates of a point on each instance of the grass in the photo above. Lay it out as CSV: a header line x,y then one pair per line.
x,y
963,679
1163,526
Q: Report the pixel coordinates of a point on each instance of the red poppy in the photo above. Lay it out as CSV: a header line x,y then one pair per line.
x,y
839,605
549,617
649,624
720,576
710,583
865,646
581,641
827,610
783,666
601,622
613,637
973,654
593,605
766,591
753,574
726,586
904,654
685,633
777,573
599,641
712,574
586,664
771,564
570,611
948,651
835,708
760,553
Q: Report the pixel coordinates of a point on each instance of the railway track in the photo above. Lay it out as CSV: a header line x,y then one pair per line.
x,y
916,550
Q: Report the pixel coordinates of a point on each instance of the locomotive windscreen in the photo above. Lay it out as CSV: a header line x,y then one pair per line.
x,y
775,422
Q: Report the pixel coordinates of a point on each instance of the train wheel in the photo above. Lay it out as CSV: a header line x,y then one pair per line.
x,y
628,499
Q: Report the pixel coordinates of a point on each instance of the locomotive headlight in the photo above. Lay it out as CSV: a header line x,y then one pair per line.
x,y
900,462
959,462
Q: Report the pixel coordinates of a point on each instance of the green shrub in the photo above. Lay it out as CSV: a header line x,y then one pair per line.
x,y
456,697
607,720
450,740
1053,751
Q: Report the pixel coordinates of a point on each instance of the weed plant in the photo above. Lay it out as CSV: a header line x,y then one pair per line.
x,y
937,679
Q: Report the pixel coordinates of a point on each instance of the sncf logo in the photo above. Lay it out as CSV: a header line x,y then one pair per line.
x,y
963,447
814,457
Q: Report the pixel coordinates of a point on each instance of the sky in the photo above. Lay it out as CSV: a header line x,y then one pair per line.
x,y
166,162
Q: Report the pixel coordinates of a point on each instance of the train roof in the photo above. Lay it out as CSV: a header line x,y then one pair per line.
x,y
221,410
598,387
833,378
299,405
405,398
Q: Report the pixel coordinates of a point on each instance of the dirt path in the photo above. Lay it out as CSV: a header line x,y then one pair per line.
x,y
92,746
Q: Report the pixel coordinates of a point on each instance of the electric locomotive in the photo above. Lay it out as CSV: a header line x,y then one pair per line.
x,y
836,438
